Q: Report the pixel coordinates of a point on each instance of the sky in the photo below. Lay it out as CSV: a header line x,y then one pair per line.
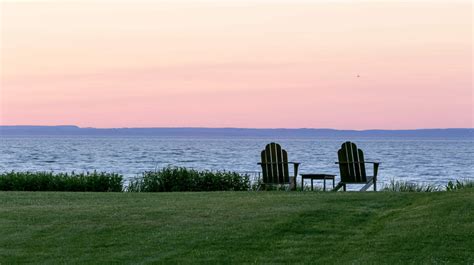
x,y
252,64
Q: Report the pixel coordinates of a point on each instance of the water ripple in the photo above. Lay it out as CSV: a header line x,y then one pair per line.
x,y
420,160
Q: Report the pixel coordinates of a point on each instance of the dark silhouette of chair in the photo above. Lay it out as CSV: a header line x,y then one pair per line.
x,y
352,168
275,167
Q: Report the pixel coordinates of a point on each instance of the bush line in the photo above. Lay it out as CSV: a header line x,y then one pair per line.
x,y
171,179
49,181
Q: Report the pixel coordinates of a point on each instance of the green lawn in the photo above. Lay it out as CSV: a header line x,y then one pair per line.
x,y
237,227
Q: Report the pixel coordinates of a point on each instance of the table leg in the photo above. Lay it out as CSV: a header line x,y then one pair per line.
x,y
324,185
311,184
333,183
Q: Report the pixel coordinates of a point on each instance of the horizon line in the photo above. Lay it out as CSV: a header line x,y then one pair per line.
x,y
244,128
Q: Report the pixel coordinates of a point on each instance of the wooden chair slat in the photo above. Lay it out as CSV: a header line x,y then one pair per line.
x,y
355,158
268,155
286,172
265,169
362,166
350,158
274,161
343,168
274,166
279,166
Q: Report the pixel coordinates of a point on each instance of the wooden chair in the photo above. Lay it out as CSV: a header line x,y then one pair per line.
x,y
275,167
352,168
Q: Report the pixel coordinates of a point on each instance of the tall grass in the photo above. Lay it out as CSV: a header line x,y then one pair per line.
x,y
404,186
183,179
49,181
459,185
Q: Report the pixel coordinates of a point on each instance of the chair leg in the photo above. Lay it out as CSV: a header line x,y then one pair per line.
x,y
339,185
293,183
367,185
375,185
344,189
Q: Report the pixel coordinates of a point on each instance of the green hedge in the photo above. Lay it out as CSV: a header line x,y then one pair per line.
x,y
183,179
49,181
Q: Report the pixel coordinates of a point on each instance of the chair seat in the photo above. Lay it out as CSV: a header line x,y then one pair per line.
x,y
369,178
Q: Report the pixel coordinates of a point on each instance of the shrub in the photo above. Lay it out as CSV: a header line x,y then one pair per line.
x,y
404,186
183,179
49,181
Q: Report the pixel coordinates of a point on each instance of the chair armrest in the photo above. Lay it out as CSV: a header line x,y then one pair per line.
x,y
295,165
376,165
376,169
365,162
277,163
295,169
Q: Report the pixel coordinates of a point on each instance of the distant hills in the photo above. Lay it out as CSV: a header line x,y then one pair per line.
x,y
231,132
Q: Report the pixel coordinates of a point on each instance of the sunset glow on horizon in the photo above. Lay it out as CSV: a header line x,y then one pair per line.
x,y
342,65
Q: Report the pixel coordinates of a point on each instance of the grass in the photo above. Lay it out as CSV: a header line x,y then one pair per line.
x,y
49,181
404,186
459,185
237,227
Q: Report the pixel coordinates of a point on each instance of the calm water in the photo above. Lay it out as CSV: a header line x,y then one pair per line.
x,y
419,160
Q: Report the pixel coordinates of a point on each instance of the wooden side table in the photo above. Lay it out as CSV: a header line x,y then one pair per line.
x,y
317,177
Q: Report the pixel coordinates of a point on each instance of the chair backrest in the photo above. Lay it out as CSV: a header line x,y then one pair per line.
x,y
351,163
275,165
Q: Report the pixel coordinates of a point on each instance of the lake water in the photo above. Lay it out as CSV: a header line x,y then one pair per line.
x,y
421,160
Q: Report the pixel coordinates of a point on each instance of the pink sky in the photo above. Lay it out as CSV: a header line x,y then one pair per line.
x,y
262,64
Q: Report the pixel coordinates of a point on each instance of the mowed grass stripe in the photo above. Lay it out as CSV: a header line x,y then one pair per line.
x,y
237,227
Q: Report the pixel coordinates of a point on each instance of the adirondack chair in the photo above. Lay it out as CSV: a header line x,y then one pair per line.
x,y
352,168
275,167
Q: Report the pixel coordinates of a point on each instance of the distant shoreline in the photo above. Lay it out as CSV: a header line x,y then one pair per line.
x,y
72,130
